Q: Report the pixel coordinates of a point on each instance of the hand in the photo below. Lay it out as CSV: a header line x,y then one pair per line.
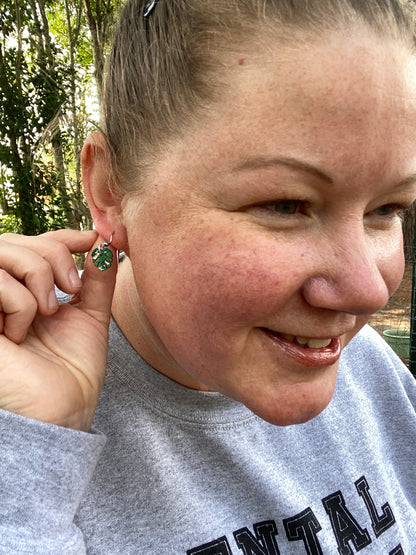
x,y
53,358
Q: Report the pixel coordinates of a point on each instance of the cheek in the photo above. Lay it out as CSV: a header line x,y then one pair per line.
x,y
213,283
235,285
392,263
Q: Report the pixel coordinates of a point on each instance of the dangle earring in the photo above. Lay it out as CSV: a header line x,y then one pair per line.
x,y
102,256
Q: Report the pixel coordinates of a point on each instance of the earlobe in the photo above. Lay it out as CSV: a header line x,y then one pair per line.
x,y
99,190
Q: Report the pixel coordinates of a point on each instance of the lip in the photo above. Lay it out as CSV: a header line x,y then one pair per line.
x,y
314,358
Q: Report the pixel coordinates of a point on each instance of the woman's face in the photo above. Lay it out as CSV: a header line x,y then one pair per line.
x,y
265,239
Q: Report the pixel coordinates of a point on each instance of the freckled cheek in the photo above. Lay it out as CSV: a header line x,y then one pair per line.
x,y
236,284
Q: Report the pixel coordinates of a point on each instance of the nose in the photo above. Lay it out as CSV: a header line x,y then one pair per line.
x,y
355,277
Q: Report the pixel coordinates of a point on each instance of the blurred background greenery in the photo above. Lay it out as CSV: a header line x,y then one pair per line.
x,y
51,71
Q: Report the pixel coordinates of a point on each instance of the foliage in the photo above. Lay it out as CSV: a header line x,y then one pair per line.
x,y
48,57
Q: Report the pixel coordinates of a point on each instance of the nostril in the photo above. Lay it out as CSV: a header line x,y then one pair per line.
x,y
352,293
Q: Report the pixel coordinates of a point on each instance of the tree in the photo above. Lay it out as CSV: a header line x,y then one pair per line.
x,y
31,96
100,17
49,50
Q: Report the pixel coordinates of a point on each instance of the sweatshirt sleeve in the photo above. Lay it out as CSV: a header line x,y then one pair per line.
x,y
44,471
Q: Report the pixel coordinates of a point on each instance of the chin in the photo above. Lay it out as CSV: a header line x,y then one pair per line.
x,y
294,404
289,418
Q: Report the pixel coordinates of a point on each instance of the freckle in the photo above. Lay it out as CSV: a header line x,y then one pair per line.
x,y
241,62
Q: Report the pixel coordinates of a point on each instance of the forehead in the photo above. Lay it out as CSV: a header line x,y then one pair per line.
x,y
346,77
347,99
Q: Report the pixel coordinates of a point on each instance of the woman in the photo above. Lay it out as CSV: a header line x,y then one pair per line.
x,y
256,159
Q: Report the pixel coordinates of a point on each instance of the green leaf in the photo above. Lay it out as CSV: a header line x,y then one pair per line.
x,y
102,258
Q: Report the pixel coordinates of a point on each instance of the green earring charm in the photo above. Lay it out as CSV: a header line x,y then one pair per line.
x,y
102,256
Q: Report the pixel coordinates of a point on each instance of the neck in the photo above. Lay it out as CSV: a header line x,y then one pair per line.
x,y
130,315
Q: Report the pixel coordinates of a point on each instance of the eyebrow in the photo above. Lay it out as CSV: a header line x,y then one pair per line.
x,y
265,162
411,180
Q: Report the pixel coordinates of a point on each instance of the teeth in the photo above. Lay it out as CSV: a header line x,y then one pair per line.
x,y
302,340
318,343
311,343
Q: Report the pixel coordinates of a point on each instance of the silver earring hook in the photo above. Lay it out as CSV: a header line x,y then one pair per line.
x,y
108,243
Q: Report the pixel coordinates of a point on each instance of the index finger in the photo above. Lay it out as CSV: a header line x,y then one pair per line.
x,y
56,248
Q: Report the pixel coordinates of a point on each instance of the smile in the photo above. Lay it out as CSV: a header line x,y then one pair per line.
x,y
305,342
308,351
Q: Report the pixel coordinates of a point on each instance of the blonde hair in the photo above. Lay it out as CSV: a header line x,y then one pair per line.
x,y
163,69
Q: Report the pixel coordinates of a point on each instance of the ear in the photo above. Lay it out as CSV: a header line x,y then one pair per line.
x,y
98,181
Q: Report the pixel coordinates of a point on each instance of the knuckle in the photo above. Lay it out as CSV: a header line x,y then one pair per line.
x,y
52,234
42,267
61,250
31,305
55,250
39,272
15,297
6,235
4,276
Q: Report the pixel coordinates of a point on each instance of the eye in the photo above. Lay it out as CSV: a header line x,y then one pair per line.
x,y
387,210
286,206
390,210
285,212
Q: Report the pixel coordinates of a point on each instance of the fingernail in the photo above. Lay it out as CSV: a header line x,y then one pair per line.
x,y
52,300
74,278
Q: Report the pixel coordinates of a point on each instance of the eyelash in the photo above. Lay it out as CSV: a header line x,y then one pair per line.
x,y
294,207
396,210
299,207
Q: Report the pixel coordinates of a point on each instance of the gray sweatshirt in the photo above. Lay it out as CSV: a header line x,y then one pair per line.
x,y
167,470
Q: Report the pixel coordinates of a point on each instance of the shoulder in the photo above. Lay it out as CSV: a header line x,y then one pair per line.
x,y
369,363
369,346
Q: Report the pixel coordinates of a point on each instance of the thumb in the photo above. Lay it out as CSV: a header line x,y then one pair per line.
x,y
97,290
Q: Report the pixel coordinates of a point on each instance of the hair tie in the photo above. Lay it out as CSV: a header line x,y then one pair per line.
x,y
150,6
